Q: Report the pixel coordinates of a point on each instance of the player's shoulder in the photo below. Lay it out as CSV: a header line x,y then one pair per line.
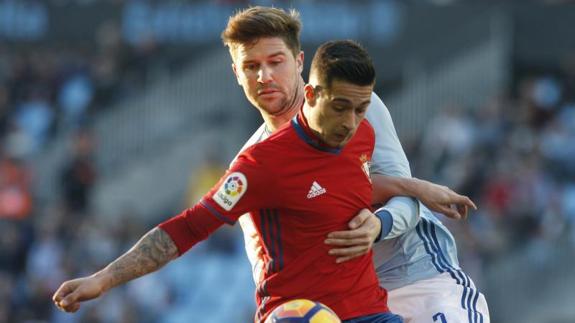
x,y
377,110
376,101
255,152
259,135
268,148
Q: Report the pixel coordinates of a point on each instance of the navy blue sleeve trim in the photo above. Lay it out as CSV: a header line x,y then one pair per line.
x,y
386,223
217,214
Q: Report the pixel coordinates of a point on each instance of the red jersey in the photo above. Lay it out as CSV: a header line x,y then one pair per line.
x,y
296,191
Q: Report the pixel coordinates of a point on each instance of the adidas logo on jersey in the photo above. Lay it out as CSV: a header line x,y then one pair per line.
x,y
315,190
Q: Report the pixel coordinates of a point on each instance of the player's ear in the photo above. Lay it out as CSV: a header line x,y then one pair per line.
x,y
310,94
299,61
236,74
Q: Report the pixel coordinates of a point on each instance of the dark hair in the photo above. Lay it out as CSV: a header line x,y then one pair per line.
x,y
249,25
343,60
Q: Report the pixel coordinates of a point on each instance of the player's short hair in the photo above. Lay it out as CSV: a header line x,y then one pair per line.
x,y
344,60
249,25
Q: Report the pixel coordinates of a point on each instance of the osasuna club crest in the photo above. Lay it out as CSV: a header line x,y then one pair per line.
x,y
231,190
365,165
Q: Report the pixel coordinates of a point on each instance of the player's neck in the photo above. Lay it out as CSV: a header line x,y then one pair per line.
x,y
312,131
274,122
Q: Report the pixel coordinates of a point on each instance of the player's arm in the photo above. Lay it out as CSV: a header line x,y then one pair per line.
x,y
438,198
155,249
392,176
150,253
163,244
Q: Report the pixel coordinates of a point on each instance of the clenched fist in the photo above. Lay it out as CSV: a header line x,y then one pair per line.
x,y
72,292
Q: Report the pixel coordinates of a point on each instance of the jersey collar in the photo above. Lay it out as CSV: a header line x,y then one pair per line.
x,y
299,123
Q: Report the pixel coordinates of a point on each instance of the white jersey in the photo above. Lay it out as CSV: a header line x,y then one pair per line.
x,y
421,272
421,252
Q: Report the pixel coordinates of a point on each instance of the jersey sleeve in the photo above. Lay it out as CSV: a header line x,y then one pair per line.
x,y
389,159
190,227
399,215
240,190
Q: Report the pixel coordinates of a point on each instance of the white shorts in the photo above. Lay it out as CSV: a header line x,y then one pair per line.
x,y
441,299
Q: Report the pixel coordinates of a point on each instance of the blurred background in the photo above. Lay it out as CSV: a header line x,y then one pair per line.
x,y
117,114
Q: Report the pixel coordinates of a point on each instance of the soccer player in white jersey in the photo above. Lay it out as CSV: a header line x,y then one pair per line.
x,y
415,255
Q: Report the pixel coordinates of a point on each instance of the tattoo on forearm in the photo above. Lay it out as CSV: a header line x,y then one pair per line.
x,y
153,251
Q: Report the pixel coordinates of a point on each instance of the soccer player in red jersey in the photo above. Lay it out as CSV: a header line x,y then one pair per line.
x,y
307,179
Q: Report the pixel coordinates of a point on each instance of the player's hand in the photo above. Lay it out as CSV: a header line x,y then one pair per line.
x,y
71,293
442,199
364,228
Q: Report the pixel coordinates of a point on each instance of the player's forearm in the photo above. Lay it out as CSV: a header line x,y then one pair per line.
x,y
414,187
150,253
402,216
386,187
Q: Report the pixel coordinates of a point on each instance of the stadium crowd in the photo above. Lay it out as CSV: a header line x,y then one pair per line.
x,y
50,88
514,156
49,91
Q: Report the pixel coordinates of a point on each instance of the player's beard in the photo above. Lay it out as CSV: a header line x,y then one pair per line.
x,y
288,104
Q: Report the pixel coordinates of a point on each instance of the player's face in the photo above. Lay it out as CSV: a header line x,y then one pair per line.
x,y
337,111
269,74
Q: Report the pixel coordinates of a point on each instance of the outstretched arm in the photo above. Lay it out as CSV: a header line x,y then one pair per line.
x,y
390,168
150,253
156,248
437,198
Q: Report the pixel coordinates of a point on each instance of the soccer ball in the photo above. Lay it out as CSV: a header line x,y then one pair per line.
x,y
302,311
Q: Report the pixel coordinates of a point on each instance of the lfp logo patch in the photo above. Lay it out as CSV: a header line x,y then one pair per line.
x,y
231,190
234,185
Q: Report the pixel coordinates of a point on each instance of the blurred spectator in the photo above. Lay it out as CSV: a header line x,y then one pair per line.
x,y
78,175
75,97
4,110
15,196
13,248
34,116
567,207
6,289
448,140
